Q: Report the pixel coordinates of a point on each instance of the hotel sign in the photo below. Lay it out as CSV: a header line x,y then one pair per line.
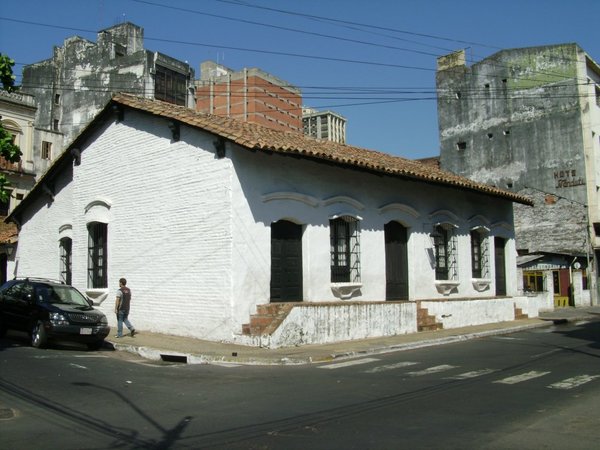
x,y
567,178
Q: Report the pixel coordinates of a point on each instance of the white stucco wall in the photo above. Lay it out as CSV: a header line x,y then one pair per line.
x,y
37,252
191,231
268,188
167,205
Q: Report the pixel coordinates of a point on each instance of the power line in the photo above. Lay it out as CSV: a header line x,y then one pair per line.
x,y
243,49
346,22
171,7
287,54
277,27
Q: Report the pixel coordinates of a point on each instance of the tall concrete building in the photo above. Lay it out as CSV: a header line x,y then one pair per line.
x,y
528,120
81,76
250,95
326,125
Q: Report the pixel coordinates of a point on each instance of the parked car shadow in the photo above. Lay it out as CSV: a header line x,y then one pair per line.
x,y
588,331
15,338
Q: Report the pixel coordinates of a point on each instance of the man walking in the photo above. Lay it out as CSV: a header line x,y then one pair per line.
x,y
122,308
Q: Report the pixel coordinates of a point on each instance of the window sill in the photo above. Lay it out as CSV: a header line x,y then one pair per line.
x,y
445,287
97,295
481,284
345,290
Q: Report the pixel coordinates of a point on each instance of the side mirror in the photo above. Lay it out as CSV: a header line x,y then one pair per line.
x,y
90,302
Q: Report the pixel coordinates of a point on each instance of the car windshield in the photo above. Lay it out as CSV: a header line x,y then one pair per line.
x,y
61,294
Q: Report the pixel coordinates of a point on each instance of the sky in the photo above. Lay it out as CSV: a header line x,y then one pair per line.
x,y
371,61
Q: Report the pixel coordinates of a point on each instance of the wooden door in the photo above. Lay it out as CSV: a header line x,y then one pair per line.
x,y
500,258
286,262
396,261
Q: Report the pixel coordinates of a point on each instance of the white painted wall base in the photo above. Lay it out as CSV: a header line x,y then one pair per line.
x,y
328,323
465,313
314,323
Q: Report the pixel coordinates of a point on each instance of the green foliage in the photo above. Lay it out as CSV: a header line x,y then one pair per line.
x,y
8,149
6,73
3,192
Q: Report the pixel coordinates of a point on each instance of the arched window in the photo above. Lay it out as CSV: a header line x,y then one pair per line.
x,y
14,129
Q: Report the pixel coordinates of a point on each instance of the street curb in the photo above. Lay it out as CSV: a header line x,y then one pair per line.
x,y
438,341
155,354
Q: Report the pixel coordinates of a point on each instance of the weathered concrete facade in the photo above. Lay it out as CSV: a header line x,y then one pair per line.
x,y
527,120
73,85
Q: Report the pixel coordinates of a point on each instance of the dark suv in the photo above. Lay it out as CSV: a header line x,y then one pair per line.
x,y
50,311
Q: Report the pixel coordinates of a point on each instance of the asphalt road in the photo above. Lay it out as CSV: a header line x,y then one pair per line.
x,y
529,390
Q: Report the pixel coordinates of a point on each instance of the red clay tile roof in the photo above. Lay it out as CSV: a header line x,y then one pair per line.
x,y
257,137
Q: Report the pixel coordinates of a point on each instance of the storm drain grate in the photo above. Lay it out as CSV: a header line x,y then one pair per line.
x,y
6,413
174,358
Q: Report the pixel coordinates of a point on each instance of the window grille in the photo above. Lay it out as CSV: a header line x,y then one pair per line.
x,y
440,242
345,250
479,254
97,257
66,245
445,247
46,150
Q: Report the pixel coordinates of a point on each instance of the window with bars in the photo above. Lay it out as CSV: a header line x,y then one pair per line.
x,y
46,150
345,249
480,265
97,255
444,243
476,256
66,245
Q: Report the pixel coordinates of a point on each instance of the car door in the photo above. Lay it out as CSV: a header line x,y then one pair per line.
x,y
18,306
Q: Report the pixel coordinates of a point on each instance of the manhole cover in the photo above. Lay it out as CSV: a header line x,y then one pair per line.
x,y
6,413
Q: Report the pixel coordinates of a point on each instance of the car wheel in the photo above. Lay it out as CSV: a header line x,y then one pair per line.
x,y
95,345
38,335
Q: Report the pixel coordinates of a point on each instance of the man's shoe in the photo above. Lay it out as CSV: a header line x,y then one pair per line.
x,y
117,336
133,332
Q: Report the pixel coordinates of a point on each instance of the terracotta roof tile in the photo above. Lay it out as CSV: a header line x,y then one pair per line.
x,y
257,137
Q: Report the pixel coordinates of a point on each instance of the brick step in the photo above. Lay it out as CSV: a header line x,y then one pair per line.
x,y
267,318
432,327
427,322
519,314
273,309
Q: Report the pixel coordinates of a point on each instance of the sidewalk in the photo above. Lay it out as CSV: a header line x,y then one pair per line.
x,y
156,346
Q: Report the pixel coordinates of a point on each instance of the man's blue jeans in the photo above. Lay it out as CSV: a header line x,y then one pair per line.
x,y
122,319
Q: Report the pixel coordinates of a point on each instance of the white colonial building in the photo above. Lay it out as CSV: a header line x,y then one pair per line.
x,y
230,231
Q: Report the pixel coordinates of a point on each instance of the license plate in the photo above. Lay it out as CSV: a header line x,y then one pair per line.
x,y
85,331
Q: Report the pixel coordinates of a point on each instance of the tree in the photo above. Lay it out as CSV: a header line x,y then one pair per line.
x,y
8,150
6,73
